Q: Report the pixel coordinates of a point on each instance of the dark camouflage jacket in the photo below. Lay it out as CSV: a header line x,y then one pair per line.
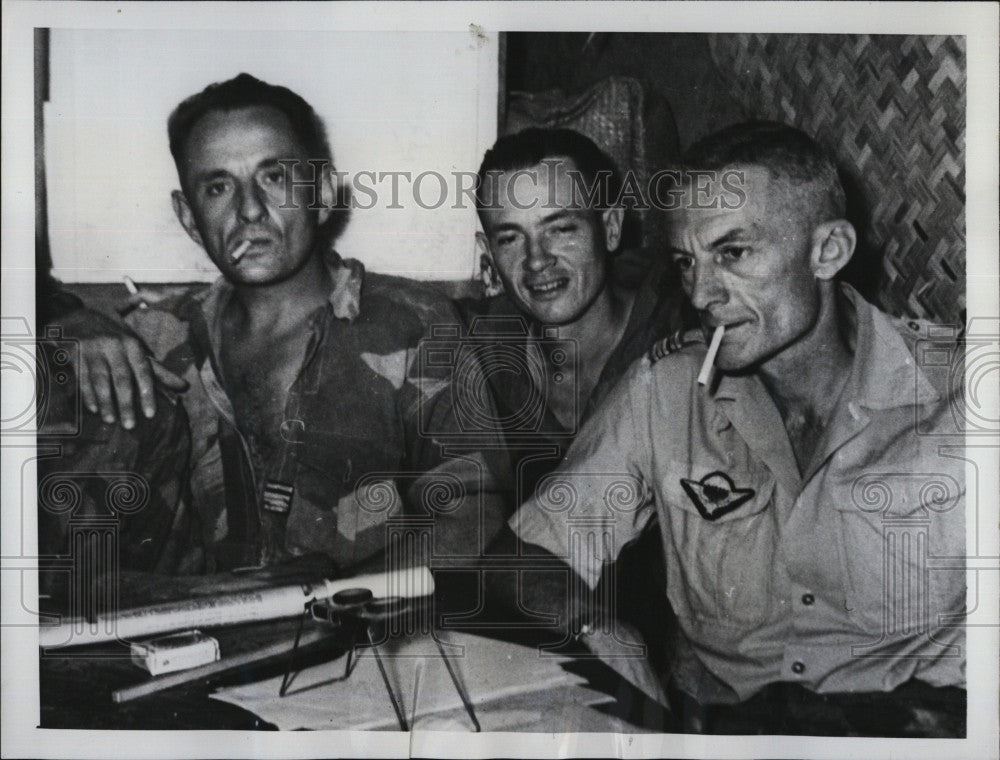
x,y
372,444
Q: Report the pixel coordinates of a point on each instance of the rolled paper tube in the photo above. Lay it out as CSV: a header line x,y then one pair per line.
x,y
130,286
229,609
236,255
713,349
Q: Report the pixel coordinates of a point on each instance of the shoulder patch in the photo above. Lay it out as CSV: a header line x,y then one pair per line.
x,y
674,343
921,330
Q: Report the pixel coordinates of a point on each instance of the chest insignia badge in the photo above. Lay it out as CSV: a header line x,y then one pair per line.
x,y
716,495
278,496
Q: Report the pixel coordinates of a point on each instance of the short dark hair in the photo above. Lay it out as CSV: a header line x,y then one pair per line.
x,y
246,91
786,152
531,146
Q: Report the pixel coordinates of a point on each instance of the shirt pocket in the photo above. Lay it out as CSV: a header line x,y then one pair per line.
x,y
326,513
316,519
330,464
892,528
723,535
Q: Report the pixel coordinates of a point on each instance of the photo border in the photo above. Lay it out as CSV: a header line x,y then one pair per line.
x,y
977,22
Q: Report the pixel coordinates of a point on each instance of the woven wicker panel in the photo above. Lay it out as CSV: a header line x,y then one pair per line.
x,y
615,114
892,110
610,114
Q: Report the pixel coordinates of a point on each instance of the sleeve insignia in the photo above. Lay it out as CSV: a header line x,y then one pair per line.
x,y
674,343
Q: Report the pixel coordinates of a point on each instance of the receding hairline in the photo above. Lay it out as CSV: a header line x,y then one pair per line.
x,y
246,91
549,167
283,120
821,199
261,109
789,155
536,145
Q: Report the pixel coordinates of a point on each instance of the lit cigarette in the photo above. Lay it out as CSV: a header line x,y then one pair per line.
x,y
236,255
133,290
713,349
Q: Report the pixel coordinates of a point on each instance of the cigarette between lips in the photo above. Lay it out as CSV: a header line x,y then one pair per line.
x,y
713,349
238,253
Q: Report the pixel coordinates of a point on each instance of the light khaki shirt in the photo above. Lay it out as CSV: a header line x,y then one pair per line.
x,y
848,578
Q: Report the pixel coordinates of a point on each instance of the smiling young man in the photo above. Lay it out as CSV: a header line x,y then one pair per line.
x,y
314,425
553,234
800,492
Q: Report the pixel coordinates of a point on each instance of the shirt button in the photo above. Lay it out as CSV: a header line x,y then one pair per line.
x,y
292,430
808,599
798,668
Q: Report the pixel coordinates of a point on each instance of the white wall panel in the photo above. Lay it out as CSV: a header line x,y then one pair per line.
x,y
392,101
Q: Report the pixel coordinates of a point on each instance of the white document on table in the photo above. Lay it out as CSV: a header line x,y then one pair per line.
x,y
512,687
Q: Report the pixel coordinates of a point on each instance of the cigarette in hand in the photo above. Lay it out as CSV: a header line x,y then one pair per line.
x,y
133,291
713,349
236,255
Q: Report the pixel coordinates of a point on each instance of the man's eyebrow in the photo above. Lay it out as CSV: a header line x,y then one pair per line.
x,y
504,227
673,250
210,176
558,214
738,234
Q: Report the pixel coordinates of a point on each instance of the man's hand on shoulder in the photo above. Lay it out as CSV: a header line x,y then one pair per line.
x,y
113,366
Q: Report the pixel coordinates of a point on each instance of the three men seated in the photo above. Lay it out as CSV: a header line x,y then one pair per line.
x,y
313,422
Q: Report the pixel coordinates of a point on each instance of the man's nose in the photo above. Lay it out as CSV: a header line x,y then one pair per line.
x,y
706,288
251,203
537,256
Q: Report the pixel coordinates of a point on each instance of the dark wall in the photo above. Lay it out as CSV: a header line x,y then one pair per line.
x,y
678,67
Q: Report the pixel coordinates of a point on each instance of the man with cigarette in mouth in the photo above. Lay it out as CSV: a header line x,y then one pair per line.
x,y
794,487
313,424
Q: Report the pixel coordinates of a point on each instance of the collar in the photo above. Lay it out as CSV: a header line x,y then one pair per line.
x,y
884,374
347,276
345,301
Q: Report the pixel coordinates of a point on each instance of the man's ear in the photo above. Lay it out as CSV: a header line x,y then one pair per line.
x,y
613,219
328,193
483,244
833,245
488,272
185,216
